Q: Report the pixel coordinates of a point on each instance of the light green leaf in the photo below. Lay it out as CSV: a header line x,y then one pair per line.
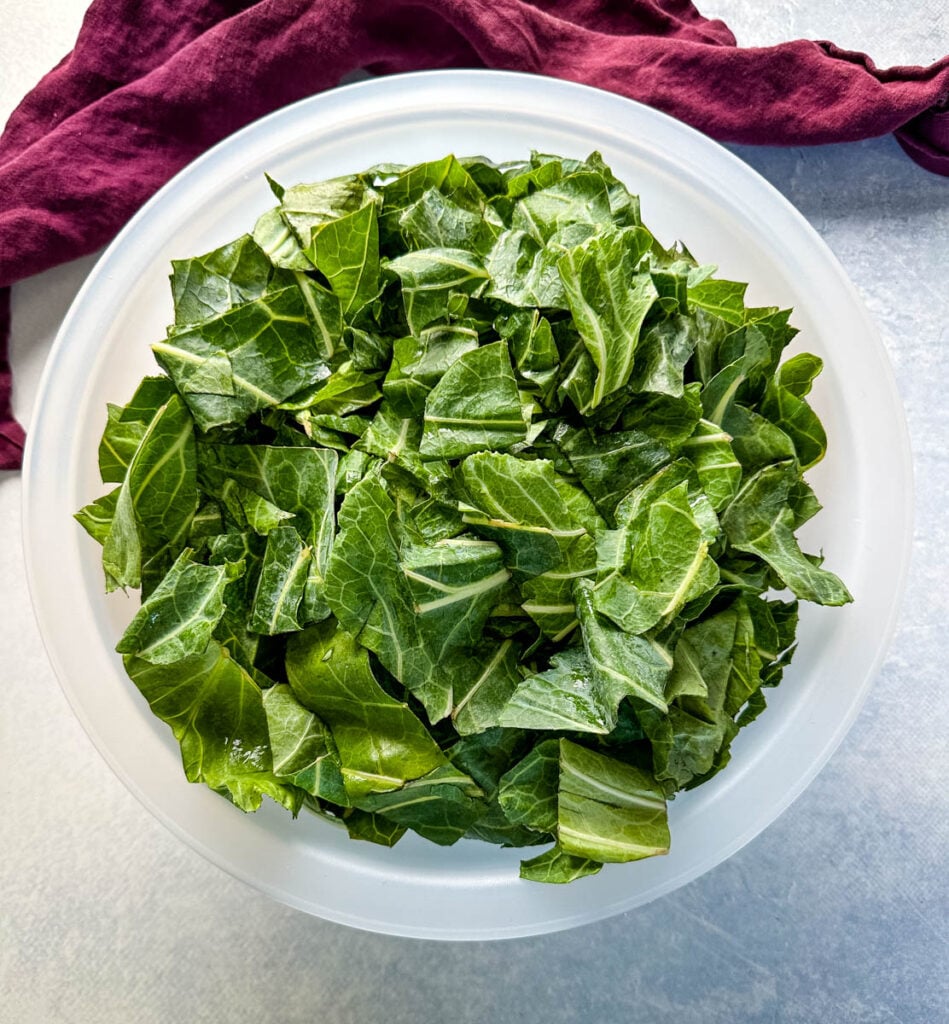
x,y
216,713
609,302
302,747
249,358
180,614
475,406
606,810
761,522
381,743
280,586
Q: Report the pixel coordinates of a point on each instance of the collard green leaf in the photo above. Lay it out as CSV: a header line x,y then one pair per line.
x,y
533,349
528,792
557,867
206,286
412,604
302,747
434,221
344,391
396,439
307,208
419,363
610,465
667,419
761,522
668,565
798,373
249,358
483,684
430,276
442,806
579,198
126,427
719,471
179,616
346,252
606,810
519,504
372,828
217,715
523,272
96,517
281,584
272,234
625,664
567,697
661,356
381,743
798,420
475,406
609,302
726,299
156,500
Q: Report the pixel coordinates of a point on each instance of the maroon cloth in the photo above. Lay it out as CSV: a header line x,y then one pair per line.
x,y
153,83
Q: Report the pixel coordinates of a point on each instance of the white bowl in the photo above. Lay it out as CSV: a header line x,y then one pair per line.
x,y
692,189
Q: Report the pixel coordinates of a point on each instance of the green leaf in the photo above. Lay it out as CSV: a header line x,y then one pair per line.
x,y
302,747
719,471
522,506
205,286
157,499
430,276
726,299
609,302
433,221
798,373
346,252
483,684
580,198
281,584
447,176
180,614
216,712
127,425
798,420
610,465
626,665
412,604
528,792
307,208
96,517
249,358
442,806
567,697
381,743
475,405
761,522
606,810
558,867
669,564
525,273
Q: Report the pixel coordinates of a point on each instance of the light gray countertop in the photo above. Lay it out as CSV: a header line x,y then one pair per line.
x,y
837,913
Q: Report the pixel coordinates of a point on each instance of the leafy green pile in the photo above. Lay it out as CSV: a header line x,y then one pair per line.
x,y
457,510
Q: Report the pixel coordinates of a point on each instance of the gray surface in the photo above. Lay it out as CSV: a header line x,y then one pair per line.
x,y
836,914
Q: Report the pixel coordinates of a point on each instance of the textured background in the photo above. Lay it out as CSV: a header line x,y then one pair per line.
x,y
836,914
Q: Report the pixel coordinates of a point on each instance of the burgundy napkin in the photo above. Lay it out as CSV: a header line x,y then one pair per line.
x,y
153,83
